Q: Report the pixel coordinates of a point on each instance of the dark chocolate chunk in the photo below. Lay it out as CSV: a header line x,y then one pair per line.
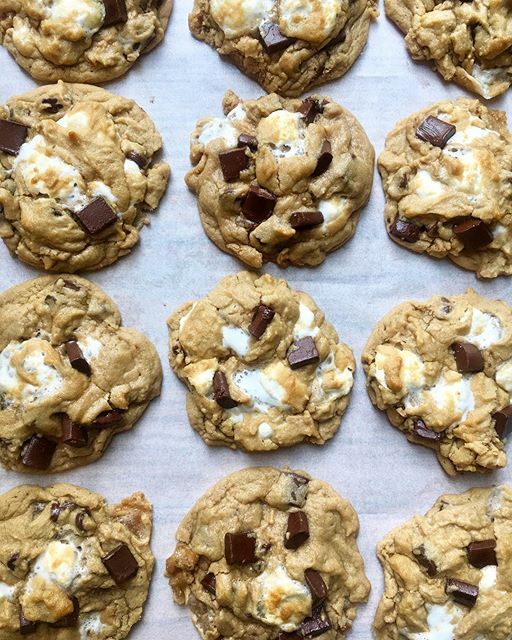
x,y
258,204
310,109
121,564
208,582
73,434
71,285
435,131
221,391
272,38
316,585
503,421
405,230
263,316
482,553
324,159
246,140
306,219
421,431
51,105
11,563
240,548
468,358
96,216
12,136
107,419
115,12
473,233
54,511
80,517
140,160
293,635
422,559
302,352
27,627
314,626
298,490
37,452
297,530
76,357
462,592
71,619
232,163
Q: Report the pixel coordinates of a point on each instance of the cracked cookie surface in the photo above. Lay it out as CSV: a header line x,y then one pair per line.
x,y
280,180
447,572
262,366
70,376
77,176
442,371
267,552
448,184
72,566
81,40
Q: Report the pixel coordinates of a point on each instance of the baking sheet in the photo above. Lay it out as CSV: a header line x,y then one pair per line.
x,y
386,478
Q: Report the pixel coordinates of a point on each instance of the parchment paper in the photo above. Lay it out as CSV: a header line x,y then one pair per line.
x,y
369,462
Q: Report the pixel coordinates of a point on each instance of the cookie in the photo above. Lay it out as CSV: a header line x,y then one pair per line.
x,y
262,366
442,371
445,172
280,180
446,573
467,42
70,376
72,566
266,553
87,41
77,176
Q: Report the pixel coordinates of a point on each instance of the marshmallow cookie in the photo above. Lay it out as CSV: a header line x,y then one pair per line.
x,y
269,554
442,371
446,176
280,180
77,176
263,367
70,376
72,566
81,40
447,573
467,42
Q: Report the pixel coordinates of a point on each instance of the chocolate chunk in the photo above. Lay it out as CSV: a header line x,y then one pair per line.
x,y
208,582
245,140
263,316
80,517
298,491
473,233
54,511
293,635
503,421
324,159
422,559
435,131
71,619
302,352
421,431
76,357
272,38
306,219
310,109
462,592
467,357
140,160
38,452
240,548
232,163
27,627
11,563
482,554
51,105
73,434
96,216
107,419
71,285
258,204
121,564
115,12
314,626
316,585
221,391
297,530
12,136
405,230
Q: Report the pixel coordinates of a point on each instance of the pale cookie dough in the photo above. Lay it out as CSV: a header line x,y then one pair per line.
x,y
266,553
81,40
452,197
459,409
71,566
70,376
82,144
309,157
469,43
463,538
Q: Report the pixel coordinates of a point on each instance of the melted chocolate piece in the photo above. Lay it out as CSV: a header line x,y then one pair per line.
x,y
263,316
208,582
503,421
73,434
473,233
405,230
483,553
297,530
11,563
140,160
96,216
27,627
76,357
298,490
240,548
302,352
462,592
324,159
51,105
468,358
121,564
421,431
37,452
311,109
258,204
246,140
272,38
422,559
115,12
221,391
232,163
107,419
12,136
435,131
316,585
316,625
301,220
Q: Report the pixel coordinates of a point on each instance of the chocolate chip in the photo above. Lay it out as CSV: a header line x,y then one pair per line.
x,y
240,548
209,583
27,627
232,163
462,592
262,317
107,419
96,216
221,391
503,421
245,140
54,511
421,431
422,559
324,159
140,160
405,230
298,491
115,12
71,285
11,563
38,452
301,220
272,38
316,585
293,635
314,626
482,554
51,105
258,204
297,530
310,109
467,357
76,357
302,352
121,564
435,131
12,136
473,233
73,434
71,619
80,517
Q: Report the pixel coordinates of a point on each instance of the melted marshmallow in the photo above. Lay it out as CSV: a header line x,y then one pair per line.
x,y
412,369
6,591
90,625
305,325
331,382
264,391
488,578
90,347
485,330
332,208
88,14
455,397
310,20
441,620
265,431
284,133
236,339
504,376
59,563
239,17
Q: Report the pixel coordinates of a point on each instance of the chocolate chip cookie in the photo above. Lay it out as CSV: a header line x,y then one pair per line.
x,y
70,376
280,180
446,573
442,371
469,43
269,554
263,367
77,176
81,40
72,566
446,175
